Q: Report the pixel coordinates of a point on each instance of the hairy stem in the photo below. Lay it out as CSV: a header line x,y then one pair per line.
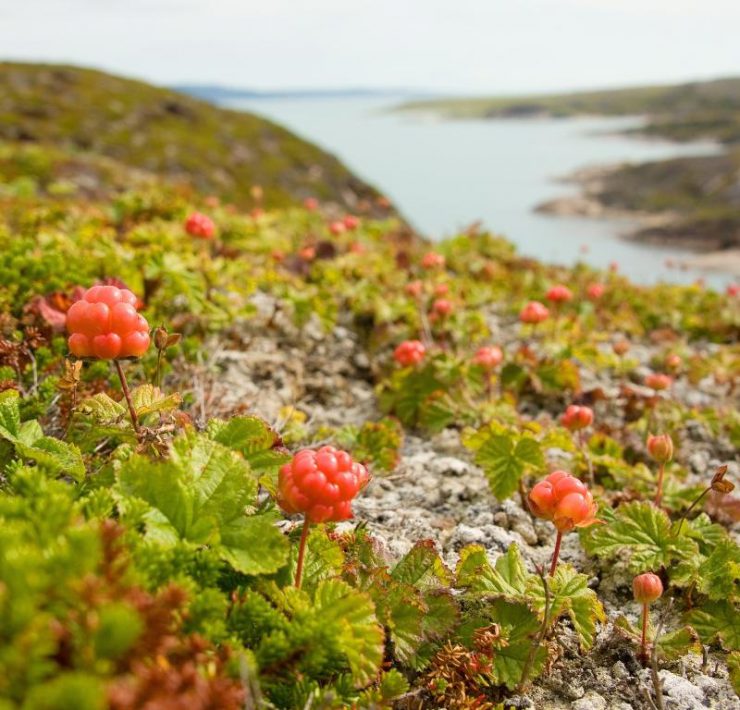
x,y
556,553
689,509
659,492
643,639
301,553
127,395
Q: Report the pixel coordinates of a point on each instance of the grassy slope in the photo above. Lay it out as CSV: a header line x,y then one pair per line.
x,y
213,150
703,192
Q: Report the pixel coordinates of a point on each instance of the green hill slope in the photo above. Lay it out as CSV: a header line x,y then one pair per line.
x,y
185,140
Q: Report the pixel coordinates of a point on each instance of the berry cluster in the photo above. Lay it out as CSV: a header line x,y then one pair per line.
x,y
104,324
410,352
321,484
199,225
564,500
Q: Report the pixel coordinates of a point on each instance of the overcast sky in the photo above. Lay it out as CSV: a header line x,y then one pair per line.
x,y
463,46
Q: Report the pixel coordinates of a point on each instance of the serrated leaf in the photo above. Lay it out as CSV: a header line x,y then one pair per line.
x,y
504,459
260,445
733,665
148,399
643,532
569,594
422,567
675,644
253,544
507,578
719,574
717,620
10,415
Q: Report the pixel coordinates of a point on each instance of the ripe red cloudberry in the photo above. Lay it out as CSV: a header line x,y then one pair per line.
x,y
410,352
104,324
200,225
577,417
534,312
566,502
559,294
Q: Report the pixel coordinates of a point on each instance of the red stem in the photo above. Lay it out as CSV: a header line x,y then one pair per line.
x,y
659,493
556,553
127,395
301,553
643,641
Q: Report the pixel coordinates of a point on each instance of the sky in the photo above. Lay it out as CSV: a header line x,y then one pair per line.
x,y
445,46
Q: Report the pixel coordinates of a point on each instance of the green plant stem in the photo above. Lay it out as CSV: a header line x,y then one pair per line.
x,y
540,636
659,492
158,378
127,395
643,639
556,553
689,509
301,553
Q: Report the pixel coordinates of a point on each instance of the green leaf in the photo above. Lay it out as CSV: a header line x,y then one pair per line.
x,y
719,574
569,594
519,627
676,644
643,532
717,620
260,445
507,578
253,544
504,459
148,399
29,442
422,567
733,665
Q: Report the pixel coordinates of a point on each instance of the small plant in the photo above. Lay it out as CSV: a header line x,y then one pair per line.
x,y
566,502
321,485
577,419
410,352
660,449
200,225
646,588
104,324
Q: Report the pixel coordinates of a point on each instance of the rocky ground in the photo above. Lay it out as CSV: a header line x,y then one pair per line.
x,y
437,493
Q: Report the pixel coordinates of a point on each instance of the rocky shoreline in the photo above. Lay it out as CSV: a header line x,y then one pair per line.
x,y
662,228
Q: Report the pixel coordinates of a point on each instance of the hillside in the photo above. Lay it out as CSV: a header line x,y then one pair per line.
x,y
187,141
522,474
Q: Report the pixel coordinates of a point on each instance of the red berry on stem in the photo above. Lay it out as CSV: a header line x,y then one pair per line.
x,y
534,312
647,588
559,294
200,225
410,352
433,260
577,417
488,357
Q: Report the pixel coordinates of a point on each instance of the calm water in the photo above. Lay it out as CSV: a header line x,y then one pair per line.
x,y
443,175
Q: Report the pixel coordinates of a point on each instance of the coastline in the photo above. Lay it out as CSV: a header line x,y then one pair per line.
x,y
661,228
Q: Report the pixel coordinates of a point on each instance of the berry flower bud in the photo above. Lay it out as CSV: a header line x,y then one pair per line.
x,y
559,294
647,587
534,312
410,352
321,484
199,225
660,447
576,417
488,357
658,381
433,260
595,291
673,361
104,324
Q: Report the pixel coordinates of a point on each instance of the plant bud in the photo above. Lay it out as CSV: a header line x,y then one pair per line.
x,y
660,447
647,587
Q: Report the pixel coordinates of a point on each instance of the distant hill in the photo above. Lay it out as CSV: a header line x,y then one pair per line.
x,y
169,134
704,109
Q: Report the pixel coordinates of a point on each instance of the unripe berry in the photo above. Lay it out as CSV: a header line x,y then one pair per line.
x,y
673,361
488,357
577,417
414,289
104,324
660,447
534,312
564,500
658,381
433,260
647,587
410,352
621,347
337,228
199,225
595,291
559,294
321,484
